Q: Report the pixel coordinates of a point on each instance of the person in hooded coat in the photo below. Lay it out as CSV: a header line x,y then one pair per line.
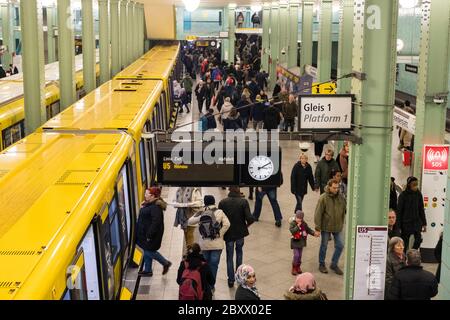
x,y
305,288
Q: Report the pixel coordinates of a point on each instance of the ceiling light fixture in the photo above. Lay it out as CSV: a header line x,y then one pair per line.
x,y
191,5
408,4
400,45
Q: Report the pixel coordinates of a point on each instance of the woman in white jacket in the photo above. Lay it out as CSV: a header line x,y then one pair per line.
x,y
211,248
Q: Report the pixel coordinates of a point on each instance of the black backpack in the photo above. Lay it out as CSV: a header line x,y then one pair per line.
x,y
209,227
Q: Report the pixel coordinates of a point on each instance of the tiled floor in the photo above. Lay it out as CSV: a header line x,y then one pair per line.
x,y
267,247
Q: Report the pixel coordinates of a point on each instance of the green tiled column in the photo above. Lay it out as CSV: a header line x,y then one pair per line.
x,y
7,34
265,38
123,34
130,43
66,54
33,64
141,29
307,28
225,42
89,77
293,33
231,32
115,37
433,77
325,41
134,32
374,53
430,122
51,39
283,33
345,45
105,71
274,43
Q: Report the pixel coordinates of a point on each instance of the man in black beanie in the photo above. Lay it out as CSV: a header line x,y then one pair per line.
x,y
411,213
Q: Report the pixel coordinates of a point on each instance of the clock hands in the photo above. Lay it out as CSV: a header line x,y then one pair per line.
x,y
259,168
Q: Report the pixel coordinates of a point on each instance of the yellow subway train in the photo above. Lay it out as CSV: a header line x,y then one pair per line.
x,y
72,190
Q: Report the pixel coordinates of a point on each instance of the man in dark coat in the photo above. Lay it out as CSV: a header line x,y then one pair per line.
x,y
412,282
200,92
237,211
150,230
261,79
272,118
323,170
393,229
254,89
300,176
411,213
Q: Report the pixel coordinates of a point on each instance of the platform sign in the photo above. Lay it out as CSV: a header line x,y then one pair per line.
x,y
370,262
434,184
326,112
405,120
324,88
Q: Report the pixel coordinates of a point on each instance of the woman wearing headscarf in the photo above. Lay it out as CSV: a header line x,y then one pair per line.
x,y
246,278
305,288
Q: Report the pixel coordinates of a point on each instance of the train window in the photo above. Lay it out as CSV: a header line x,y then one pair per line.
x,y
164,108
13,134
76,279
123,195
53,109
143,162
147,127
87,245
158,116
106,255
115,233
134,180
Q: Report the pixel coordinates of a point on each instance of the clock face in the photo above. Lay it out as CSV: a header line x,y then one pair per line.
x,y
260,168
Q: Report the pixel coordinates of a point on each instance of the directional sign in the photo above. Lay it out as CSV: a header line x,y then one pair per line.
x,y
326,112
324,88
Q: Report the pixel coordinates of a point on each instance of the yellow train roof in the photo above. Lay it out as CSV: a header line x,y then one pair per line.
x,y
114,105
50,190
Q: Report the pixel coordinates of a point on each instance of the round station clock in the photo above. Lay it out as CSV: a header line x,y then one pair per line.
x,y
260,168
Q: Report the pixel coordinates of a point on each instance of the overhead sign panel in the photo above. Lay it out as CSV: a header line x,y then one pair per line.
x,y
325,112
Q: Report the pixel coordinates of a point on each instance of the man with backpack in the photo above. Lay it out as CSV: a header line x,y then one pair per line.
x,y
208,121
238,212
212,225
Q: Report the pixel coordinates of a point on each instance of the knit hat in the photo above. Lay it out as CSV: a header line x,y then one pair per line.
x,y
155,191
410,180
299,214
209,200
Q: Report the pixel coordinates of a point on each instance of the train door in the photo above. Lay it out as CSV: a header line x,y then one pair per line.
x,y
109,248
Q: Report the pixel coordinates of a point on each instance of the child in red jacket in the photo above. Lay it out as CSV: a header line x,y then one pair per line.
x,y
299,230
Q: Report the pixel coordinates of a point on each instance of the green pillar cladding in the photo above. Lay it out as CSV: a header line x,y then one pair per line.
x,y
142,29
345,45
283,26
432,79
87,24
115,37
136,31
374,53
325,41
129,32
225,42
231,32
51,39
123,34
132,34
66,54
7,35
293,33
274,44
105,71
33,64
307,32
430,117
265,38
